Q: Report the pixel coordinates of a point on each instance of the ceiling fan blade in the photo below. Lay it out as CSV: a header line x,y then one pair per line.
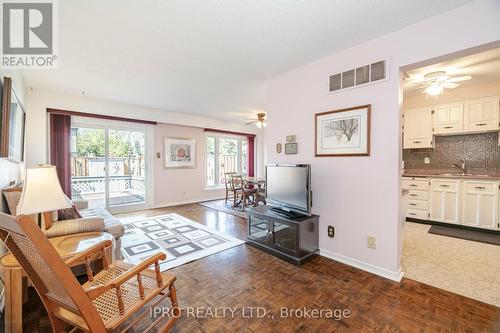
x,y
252,122
450,85
415,82
460,78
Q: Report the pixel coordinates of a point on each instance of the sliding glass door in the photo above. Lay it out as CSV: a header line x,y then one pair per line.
x,y
108,166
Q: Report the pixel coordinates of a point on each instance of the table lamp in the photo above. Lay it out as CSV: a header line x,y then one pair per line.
x,y
42,193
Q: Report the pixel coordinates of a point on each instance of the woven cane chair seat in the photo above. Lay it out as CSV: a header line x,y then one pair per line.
x,y
107,303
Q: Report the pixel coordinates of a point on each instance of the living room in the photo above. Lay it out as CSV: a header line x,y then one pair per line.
x,y
171,127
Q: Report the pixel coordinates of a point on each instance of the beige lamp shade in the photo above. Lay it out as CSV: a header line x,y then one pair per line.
x,y
42,192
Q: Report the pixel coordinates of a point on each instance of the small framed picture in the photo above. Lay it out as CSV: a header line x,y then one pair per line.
x,y
291,148
344,132
180,153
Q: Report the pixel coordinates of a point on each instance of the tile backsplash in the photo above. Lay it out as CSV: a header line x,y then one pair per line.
x,y
480,152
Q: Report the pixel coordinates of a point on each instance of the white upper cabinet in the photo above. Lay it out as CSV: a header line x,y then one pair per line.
x,y
449,118
481,114
417,128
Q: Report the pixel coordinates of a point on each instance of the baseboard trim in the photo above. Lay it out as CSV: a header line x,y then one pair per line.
x,y
186,202
391,275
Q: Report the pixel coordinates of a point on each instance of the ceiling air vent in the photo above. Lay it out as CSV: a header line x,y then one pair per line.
x,y
358,77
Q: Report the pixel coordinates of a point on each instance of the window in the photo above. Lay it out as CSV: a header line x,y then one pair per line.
x,y
225,154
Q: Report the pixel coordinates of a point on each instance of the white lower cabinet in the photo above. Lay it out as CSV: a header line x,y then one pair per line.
x,y
480,204
418,198
445,200
472,203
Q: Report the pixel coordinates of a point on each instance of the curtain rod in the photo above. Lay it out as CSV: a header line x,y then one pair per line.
x,y
229,132
100,116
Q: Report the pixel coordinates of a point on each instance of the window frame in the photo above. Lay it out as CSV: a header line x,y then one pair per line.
x,y
239,160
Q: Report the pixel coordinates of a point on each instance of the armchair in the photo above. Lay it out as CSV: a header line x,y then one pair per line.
x,y
98,220
115,298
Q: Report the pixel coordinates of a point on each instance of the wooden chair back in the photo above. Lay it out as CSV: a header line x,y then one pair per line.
x,y
54,282
237,182
228,180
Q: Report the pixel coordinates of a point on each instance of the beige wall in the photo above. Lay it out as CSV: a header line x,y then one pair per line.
x,y
454,95
180,185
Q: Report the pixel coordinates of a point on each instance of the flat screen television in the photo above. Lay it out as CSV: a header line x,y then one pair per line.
x,y
288,188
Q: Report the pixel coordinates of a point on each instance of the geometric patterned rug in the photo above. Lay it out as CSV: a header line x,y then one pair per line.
x,y
181,239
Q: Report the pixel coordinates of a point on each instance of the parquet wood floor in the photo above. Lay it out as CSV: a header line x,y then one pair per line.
x,y
243,277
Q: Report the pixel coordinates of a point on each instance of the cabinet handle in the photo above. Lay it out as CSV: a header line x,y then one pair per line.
x,y
413,185
444,185
448,127
413,195
412,214
417,141
413,204
480,187
482,124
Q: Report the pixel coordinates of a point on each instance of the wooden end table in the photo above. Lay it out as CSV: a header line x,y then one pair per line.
x,y
67,246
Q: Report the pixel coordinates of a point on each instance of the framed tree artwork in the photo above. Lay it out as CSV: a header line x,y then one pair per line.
x,y
12,124
344,132
180,153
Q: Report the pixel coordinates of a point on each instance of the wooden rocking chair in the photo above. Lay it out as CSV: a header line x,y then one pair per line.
x,y
103,304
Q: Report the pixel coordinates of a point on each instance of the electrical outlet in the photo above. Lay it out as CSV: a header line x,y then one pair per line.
x,y
371,242
427,160
331,231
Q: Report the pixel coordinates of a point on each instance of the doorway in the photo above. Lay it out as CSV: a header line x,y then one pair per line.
x,y
109,165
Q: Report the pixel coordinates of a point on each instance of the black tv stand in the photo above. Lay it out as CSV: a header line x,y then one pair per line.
x,y
285,213
291,239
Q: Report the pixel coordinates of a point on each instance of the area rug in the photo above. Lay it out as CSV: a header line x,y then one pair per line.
x,y
181,239
220,205
472,235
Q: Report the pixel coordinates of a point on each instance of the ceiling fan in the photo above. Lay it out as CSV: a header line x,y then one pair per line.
x,y
260,122
434,83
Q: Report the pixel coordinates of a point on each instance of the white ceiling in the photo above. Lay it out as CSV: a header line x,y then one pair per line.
x,y
483,67
209,58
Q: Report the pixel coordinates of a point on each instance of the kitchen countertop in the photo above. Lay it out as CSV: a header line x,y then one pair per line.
x,y
449,174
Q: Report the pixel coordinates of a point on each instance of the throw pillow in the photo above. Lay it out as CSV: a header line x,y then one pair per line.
x,y
68,214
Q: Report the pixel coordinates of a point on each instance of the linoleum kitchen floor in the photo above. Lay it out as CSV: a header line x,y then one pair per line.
x,y
464,267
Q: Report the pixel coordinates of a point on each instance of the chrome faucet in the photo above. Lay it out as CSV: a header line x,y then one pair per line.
x,y
462,167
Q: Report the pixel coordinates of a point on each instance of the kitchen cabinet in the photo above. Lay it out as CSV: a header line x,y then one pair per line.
x,y
418,128
418,197
449,119
481,114
480,204
445,200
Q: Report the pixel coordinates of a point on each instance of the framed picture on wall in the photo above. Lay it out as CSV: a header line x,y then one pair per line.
x,y
180,153
12,124
344,132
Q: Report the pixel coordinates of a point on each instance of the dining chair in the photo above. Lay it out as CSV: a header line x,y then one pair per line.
x,y
228,182
240,190
260,196
117,297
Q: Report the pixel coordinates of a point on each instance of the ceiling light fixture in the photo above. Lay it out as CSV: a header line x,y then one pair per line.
x,y
435,82
260,122
434,89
